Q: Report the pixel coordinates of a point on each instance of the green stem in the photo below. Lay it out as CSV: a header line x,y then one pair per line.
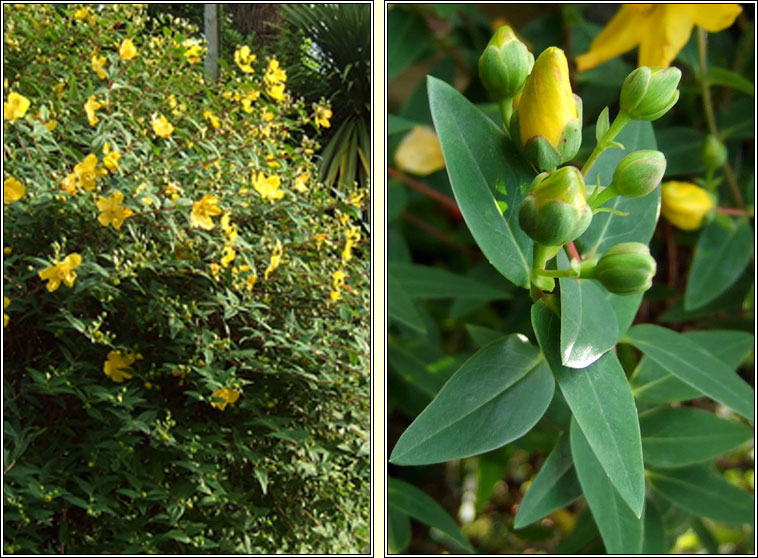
x,y
599,198
621,120
506,111
555,272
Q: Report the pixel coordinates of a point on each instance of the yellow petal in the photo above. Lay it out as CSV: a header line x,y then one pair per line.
x,y
714,17
420,152
622,34
673,27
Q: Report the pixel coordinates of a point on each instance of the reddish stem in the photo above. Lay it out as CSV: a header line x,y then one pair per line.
x,y
442,199
573,252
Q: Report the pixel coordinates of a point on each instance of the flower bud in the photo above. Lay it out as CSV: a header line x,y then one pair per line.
x,y
685,205
713,153
649,93
555,211
639,173
547,125
626,268
505,64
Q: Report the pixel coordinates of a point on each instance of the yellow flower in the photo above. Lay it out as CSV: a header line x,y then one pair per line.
x,y
193,53
87,172
90,107
113,213
228,257
203,211
162,127
13,190
117,365
660,30
356,200
213,119
61,271
301,182
244,59
419,152
83,14
228,395
334,295
173,190
547,103
127,50
6,318
323,115
229,230
98,63
274,74
15,107
685,205
276,92
250,281
338,279
276,258
269,187
111,158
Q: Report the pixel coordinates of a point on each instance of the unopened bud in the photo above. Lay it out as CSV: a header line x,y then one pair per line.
x,y
639,173
555,211
685,205
713,153
649,93
505,64
626,268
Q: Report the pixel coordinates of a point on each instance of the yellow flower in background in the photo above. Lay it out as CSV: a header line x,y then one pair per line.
x,y
334,295
228,257
193,53
113,213
90,107
660,30
98,63
268,187
173,190
301,182
323,115
229,229
547,103
117,365
6,318
228,395
338,279
203,211
13,190
15,107
356,199
111,158
274,74
276,92
208,115
276,258
685,205
87,172
244,59
419,152
352,236
61,272
250,281
127,50
162,127
83,14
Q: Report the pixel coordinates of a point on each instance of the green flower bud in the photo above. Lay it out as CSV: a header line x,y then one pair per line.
x,y
713,153
555,211
649,93
639,173
505,64
626,268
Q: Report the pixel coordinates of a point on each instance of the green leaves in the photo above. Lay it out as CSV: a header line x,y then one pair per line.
x,y
722,253
602,404
675,437
504,384
693,365
486,174
406,500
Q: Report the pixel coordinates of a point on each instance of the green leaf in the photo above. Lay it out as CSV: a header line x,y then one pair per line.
x,y
701,490
609,229
495,397
651,382
554,487
675,437
491,467
409,40
424,282
400,306
694,365
486,173
721,255
397,124
409,500
653,532
602,404
398,531
721,76
619,527
681,145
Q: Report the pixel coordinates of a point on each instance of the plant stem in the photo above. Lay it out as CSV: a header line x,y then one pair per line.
x,y
506,111
621,120
710,117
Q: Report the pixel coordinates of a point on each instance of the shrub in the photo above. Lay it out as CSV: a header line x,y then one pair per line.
x,y
186,343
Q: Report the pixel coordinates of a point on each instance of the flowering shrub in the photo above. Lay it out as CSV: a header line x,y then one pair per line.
x,y
186,308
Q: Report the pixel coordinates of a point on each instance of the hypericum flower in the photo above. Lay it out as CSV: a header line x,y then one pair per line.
x,y
352,236
162,127
87,172
356,199
338,279
419,152
268,187
90,107
203,211
113,213
98,63
61,271
276,92
6,318
117,365
244,59
247,100
84,14
111,158
227,394
15,107
127,50
13,190
194,53
323,115
173,190
276,258
228,257
334,295
208,115
274,74
660,30
301,182
229,229
685,205
250,281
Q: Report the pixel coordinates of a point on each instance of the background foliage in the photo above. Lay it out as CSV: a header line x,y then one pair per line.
x,y
446,302
242,322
